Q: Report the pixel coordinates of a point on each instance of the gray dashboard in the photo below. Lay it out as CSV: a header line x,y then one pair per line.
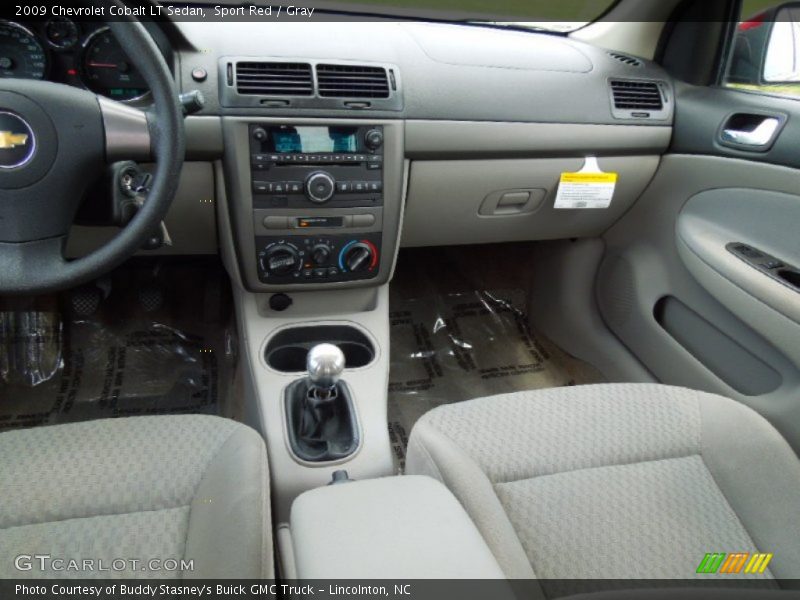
x,y
477,117
449,72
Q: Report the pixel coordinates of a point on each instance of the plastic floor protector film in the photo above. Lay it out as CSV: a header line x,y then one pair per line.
x,y
147,340
459,346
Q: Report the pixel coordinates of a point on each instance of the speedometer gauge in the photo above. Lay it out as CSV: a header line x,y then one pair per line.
x,y
108,71
21,54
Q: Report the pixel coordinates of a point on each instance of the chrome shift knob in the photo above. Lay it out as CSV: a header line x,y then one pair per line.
x,y
325,364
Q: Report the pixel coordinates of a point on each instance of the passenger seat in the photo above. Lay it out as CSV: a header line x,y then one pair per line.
x,y
616,481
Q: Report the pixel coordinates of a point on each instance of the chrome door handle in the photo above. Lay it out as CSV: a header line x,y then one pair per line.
x,y
760,136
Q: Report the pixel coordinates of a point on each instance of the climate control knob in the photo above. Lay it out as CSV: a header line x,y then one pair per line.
x,y
320,187
359,256
321,254
281,259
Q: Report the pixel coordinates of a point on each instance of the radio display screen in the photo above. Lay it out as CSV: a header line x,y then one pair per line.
x,y
314,140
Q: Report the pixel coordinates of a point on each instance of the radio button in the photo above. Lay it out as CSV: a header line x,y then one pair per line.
x,y
276,222
373,166
279,187
344,187
262,187
375,186
295,187
362,221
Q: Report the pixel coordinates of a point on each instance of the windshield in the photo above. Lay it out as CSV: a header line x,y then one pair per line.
x,y
544,15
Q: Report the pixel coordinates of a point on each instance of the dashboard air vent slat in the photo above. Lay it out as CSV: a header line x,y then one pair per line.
x,y
637,95
274,79
625,59
352,81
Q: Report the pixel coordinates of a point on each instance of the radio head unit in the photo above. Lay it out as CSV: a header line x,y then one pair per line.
x,y
301,166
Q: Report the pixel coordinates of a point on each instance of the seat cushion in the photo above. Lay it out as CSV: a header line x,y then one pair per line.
x,y
190,487
616,481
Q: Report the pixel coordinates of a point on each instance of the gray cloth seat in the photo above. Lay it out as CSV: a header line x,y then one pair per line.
x,y
616,481
192,488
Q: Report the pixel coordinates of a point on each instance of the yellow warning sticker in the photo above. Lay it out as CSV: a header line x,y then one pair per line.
x,y
588,188
588,178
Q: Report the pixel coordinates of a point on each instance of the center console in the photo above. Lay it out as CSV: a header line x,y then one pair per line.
x,y
317,203
311,209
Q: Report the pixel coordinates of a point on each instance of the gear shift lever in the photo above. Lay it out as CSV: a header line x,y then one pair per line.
x,y
325,364
321,416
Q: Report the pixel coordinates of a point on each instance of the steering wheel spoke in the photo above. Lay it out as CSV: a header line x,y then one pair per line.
x,y
127,131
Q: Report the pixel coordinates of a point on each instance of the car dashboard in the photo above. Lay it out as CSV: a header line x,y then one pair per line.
x,y
322,147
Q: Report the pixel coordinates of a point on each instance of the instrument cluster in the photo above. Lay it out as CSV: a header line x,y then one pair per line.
x,y
64,51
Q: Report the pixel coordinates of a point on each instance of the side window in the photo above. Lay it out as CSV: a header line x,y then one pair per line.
x,y
765,53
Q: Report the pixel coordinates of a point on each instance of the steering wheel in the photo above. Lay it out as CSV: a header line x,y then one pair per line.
x,y
54,142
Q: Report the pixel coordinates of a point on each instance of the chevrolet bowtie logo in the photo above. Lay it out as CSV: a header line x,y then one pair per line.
x,y
10,140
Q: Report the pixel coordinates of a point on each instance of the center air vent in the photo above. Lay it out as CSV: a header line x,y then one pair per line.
x,y
625,59
637,95
352,81
274,78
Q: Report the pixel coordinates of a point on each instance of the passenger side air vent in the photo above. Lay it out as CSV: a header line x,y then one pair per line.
x,y
352,81
636,95
639,99
625,59
274,78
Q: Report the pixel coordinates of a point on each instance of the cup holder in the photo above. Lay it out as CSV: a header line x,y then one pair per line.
x,y
287,350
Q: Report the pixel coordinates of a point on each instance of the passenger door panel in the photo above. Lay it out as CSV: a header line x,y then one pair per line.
x,y
684,284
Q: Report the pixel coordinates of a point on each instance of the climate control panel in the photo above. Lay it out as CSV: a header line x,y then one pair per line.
x,y
317,259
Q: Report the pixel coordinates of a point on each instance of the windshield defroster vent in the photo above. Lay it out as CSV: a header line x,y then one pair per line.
x,y
625,59
352,81
274,78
